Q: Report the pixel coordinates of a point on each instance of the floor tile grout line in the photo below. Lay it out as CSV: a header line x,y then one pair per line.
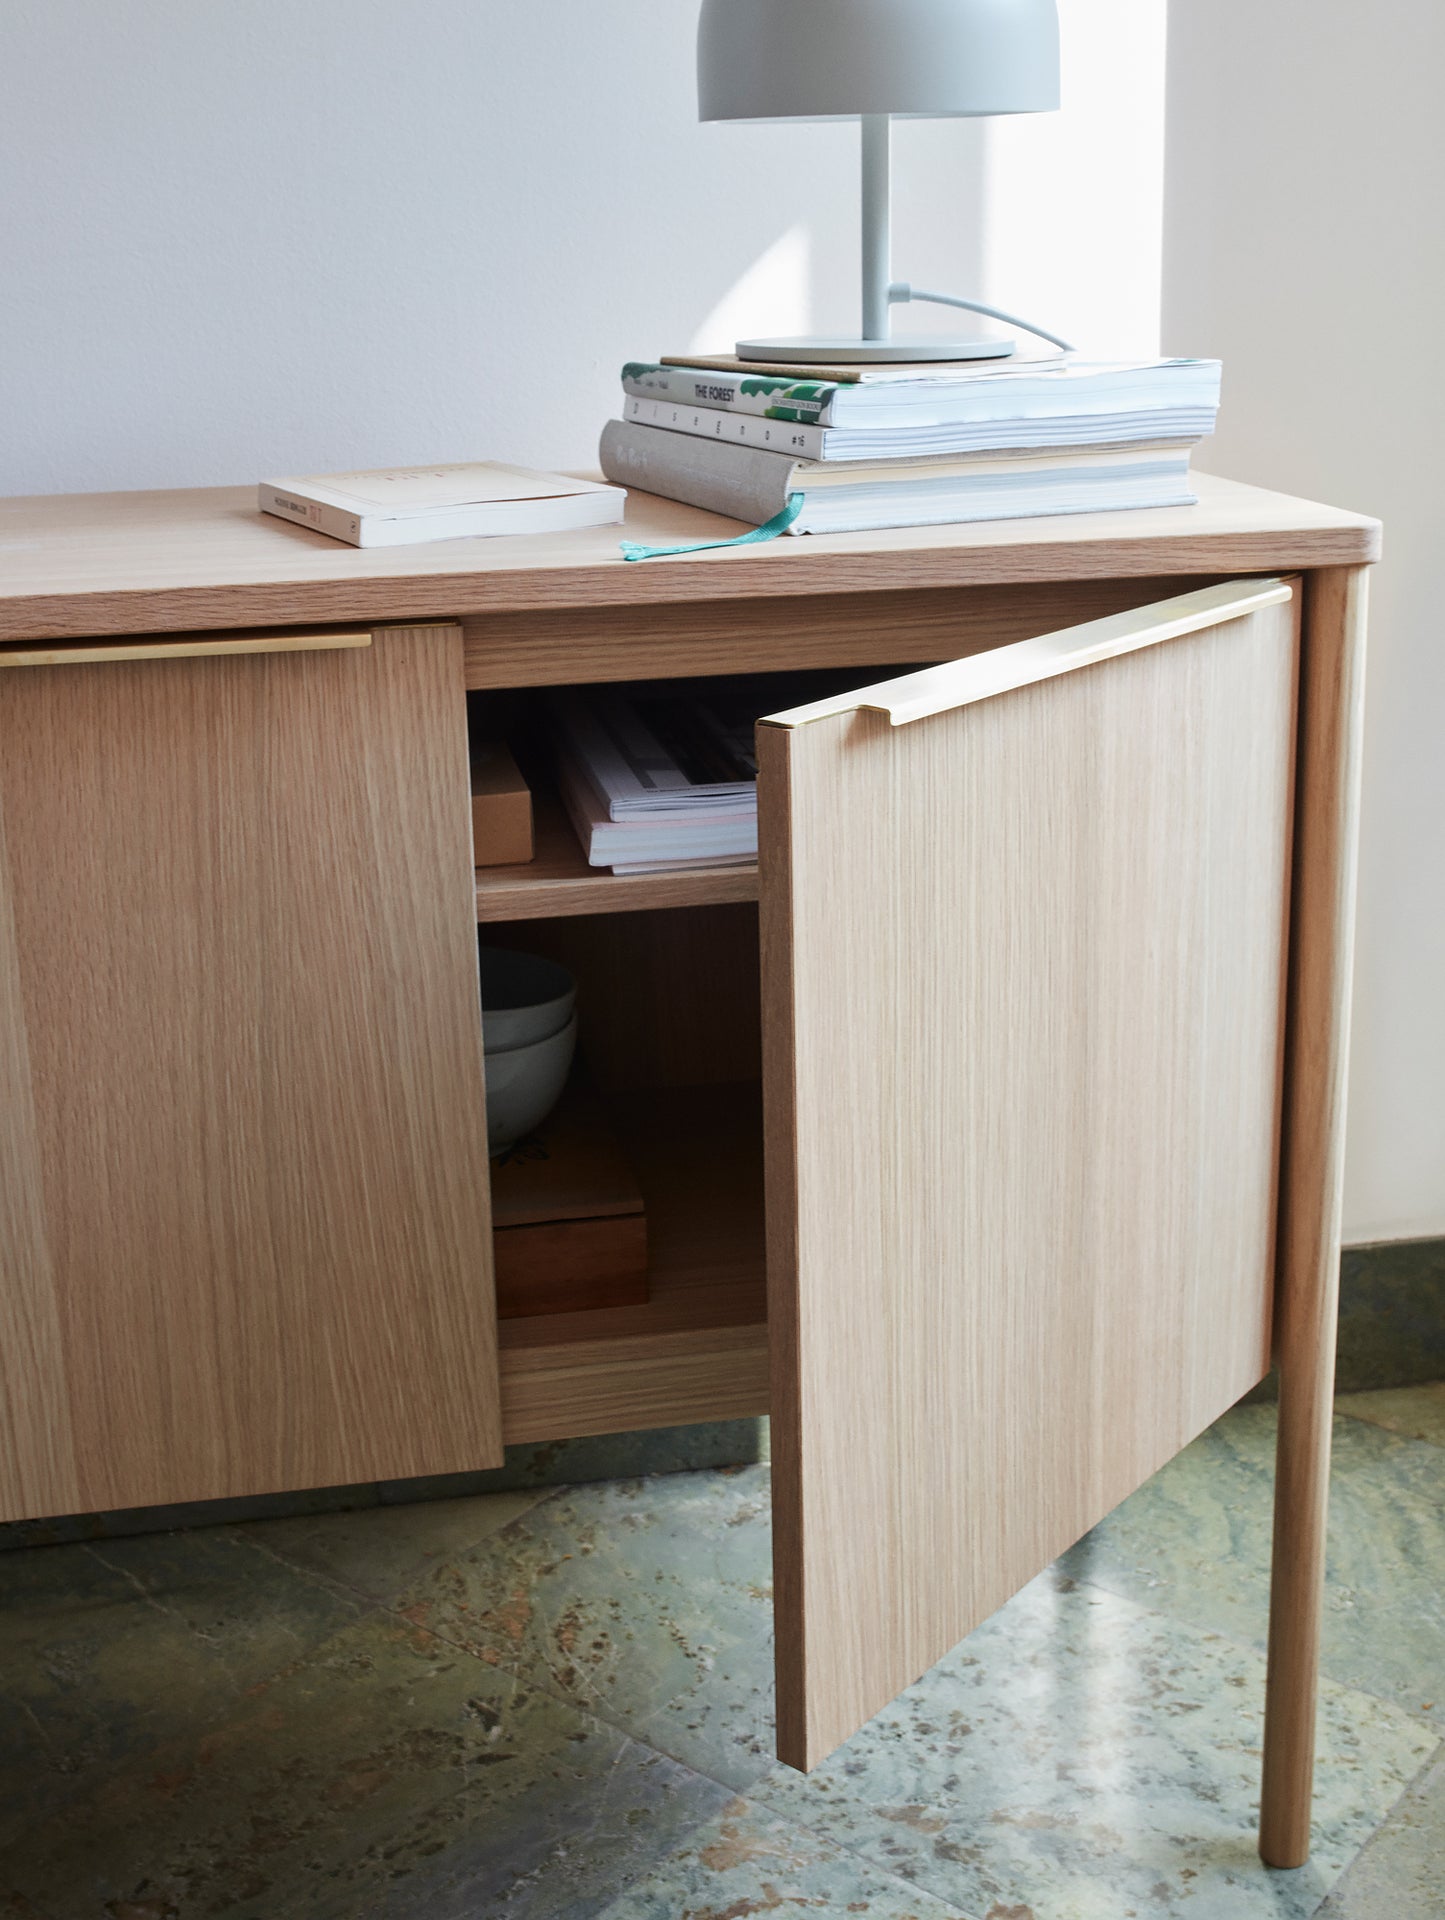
x,y
1257,1647
544,1683
543,1678
141,1597
240,1531
1431,1761
592,1709
826,1844
313,1576
332,1582
950,1907
1415,1439
1407,1790
751,1792
764,1806
508,1664
370,1605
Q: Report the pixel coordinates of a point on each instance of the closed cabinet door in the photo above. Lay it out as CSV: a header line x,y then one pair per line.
x,y
244,1216
1024,924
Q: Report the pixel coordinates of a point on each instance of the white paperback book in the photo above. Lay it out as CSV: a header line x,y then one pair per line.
x,y
399,506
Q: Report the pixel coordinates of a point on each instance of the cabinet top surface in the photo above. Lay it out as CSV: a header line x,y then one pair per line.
x,y
76,565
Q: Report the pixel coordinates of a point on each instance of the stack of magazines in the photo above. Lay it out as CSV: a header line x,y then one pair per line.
x,y
660,778
900,446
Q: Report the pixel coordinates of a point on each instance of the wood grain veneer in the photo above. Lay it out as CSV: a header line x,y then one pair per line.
x,y
86,564
243,1179
664,999
698,1348
1023,1018
749,635
569,1389
1312,1184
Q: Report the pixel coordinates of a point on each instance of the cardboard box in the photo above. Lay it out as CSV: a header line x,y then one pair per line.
x,y
501,808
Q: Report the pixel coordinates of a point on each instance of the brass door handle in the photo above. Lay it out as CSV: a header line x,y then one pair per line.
x,y
64,653
980,676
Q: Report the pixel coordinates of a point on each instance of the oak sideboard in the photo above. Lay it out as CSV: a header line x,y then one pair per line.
x,y
989,1127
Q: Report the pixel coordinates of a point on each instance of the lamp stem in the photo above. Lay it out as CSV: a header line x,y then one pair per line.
x,y
877,251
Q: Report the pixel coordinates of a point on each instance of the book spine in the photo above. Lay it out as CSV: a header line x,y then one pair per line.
x,y
745,483
310,513
810,403
794,438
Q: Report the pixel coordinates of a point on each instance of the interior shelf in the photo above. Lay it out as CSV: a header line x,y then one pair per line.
x,y
697,1350
558,880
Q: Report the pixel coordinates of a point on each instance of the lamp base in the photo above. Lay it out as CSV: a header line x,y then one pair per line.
x,y
817,350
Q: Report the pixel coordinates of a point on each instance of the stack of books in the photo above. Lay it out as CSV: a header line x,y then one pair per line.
x,y
660,778
905,446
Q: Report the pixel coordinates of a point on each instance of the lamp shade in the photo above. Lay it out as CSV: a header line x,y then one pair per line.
x,y
831,59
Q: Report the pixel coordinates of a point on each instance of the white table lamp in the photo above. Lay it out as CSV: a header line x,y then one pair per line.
x,y
921,59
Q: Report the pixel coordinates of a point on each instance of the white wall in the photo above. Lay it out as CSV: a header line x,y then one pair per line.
x,y
1074,201
1305,182
250,236
255,237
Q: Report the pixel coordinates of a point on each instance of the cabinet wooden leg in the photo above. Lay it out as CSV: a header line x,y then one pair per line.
x,y
1302,1471
1312,1163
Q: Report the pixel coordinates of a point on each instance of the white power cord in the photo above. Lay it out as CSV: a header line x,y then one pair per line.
x,y
899,292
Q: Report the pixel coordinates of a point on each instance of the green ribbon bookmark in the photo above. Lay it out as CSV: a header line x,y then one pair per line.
x,y
770,529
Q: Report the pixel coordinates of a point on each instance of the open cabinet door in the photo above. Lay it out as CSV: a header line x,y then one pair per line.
x,y
1024,924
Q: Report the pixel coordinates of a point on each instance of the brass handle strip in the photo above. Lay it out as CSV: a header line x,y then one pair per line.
x,y
192,647
981,676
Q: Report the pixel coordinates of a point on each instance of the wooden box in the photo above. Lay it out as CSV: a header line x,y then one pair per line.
x,y
569,1226
501,807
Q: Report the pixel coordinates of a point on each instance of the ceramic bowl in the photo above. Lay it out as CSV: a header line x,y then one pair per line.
x,y
524,998
524,1084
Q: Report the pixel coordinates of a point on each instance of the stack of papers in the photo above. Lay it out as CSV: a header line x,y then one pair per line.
x,y
660,779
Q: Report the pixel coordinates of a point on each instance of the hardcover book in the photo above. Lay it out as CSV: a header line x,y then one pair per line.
x,y
755,483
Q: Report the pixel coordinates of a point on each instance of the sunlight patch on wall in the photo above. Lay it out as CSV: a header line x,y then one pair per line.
x,y
772,296
1074,201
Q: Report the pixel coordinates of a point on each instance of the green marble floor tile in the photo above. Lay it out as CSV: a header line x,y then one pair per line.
x,y
1417,1412
1401,1873
749,1862
381,1551
107,1651
388,1774
1080,1758
1195,1541
1392,1314
647,1601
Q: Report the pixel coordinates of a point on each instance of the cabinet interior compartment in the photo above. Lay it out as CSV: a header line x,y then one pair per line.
x,y
669,1036
669,1033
